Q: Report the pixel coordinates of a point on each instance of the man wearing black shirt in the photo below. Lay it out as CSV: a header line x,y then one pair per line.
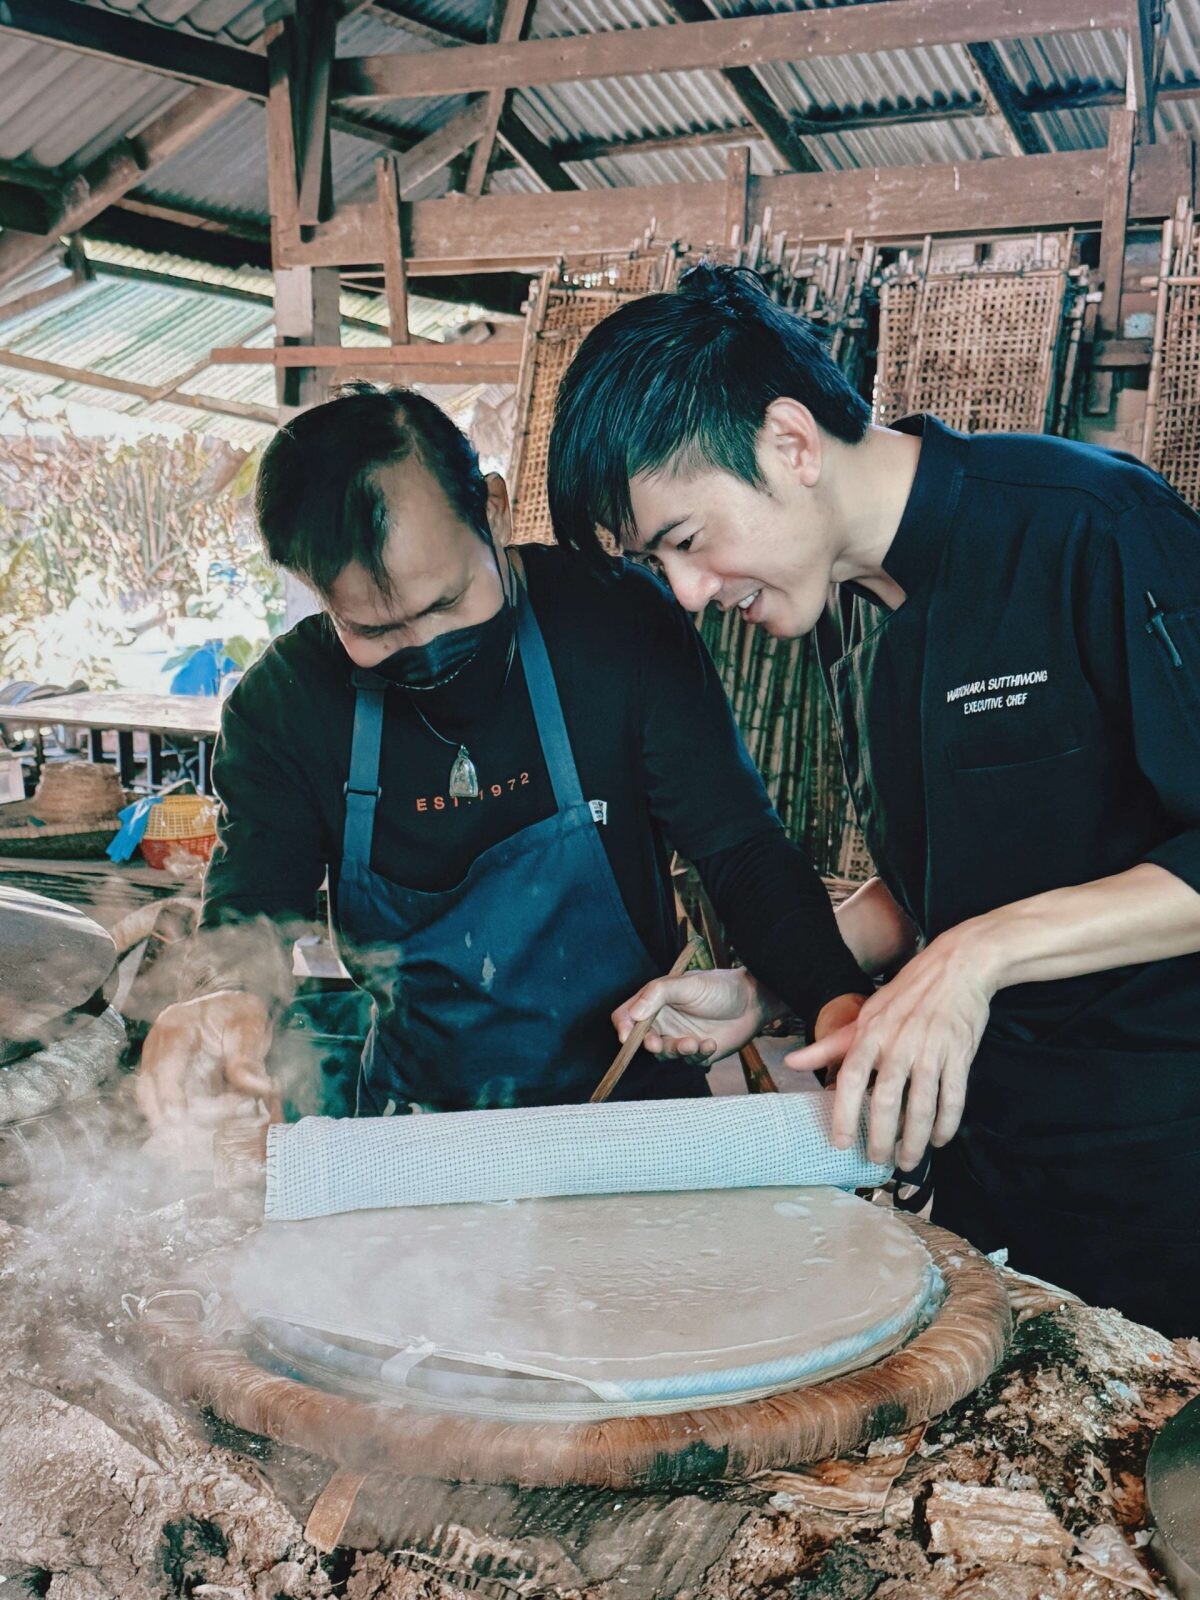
x,y
1010,631
490,756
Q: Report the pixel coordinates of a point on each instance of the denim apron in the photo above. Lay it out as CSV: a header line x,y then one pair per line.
x,y
497,992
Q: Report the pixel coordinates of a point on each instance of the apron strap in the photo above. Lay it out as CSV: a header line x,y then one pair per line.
x,y
362,789
547,709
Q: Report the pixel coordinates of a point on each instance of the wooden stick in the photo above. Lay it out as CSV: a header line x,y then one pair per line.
x,y
635,1040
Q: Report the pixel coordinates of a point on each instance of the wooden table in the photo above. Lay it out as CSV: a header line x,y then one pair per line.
x,y
196,717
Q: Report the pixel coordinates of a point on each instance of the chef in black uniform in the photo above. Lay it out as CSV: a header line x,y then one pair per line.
x,y
1009,627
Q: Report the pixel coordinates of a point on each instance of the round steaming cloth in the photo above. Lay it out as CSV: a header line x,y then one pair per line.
x,y
586,1307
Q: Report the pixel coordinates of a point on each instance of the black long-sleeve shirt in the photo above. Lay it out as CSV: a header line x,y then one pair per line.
x,y
1030,717
653,739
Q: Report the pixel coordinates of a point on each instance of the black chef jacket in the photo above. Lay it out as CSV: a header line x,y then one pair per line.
x,y
1029,718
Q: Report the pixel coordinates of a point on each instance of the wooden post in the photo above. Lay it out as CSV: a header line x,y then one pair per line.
x,y
1121,129
1143,66
395,277
311,34
306,298
737,193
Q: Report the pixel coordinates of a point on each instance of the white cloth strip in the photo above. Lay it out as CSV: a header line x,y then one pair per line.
x,y
322,1166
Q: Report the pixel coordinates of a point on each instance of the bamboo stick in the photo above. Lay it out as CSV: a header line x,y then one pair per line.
x,y
637,1038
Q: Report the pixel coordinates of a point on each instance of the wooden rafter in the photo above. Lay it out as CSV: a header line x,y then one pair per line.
x,y
497,362
155,394
482,361
1045,102
751,94
312,34
160,229
118,171
530,153
509,22
733,41
1144,64
80,273
1002,100
524,232
112,36
458,133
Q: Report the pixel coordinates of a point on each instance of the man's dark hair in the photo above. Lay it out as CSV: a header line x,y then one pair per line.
x,y
683,379
317,498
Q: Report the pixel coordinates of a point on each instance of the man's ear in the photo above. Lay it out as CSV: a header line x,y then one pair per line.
x,y
499,509
791,437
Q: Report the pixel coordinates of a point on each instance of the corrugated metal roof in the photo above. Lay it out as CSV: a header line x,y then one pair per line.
x,y
230,21
160,335
60,110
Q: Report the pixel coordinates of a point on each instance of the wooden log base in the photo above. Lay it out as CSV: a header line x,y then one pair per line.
x,y
943,1364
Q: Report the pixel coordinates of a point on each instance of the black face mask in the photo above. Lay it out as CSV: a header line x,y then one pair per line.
x,y
424,667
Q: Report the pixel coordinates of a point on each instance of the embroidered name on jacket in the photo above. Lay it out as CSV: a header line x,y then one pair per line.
x,y
995,694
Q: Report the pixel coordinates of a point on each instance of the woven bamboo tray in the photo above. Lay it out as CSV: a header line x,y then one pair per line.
x,y
942,1365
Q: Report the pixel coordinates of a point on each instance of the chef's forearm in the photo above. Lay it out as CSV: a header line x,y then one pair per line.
x,y
878,933
1143,914
780,923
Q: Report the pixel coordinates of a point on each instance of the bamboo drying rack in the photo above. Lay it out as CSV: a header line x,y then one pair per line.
x,y
1171,441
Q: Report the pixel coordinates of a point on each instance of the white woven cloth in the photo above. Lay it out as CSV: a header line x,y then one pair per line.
x,y
321,1166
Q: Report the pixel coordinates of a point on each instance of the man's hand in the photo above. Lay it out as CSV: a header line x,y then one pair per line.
x,y
840,1012
202,1050
702,1016
917,1038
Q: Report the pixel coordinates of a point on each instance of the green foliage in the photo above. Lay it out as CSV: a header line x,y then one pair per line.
x,y
94,531
143,520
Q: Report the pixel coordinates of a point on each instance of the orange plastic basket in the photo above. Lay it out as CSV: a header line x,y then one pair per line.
x,y
186,822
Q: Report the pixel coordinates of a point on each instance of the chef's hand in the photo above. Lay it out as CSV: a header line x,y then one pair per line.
x,y
916,1038
702,1016
205,1051
706,1016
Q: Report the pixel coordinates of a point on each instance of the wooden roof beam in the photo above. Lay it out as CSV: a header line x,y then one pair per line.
x,y
529,152
882,116
524,232
1002,100
789,150
751,41
153,394
112,36
493,362
1145,63
458,133
509,21
194,237
118,171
